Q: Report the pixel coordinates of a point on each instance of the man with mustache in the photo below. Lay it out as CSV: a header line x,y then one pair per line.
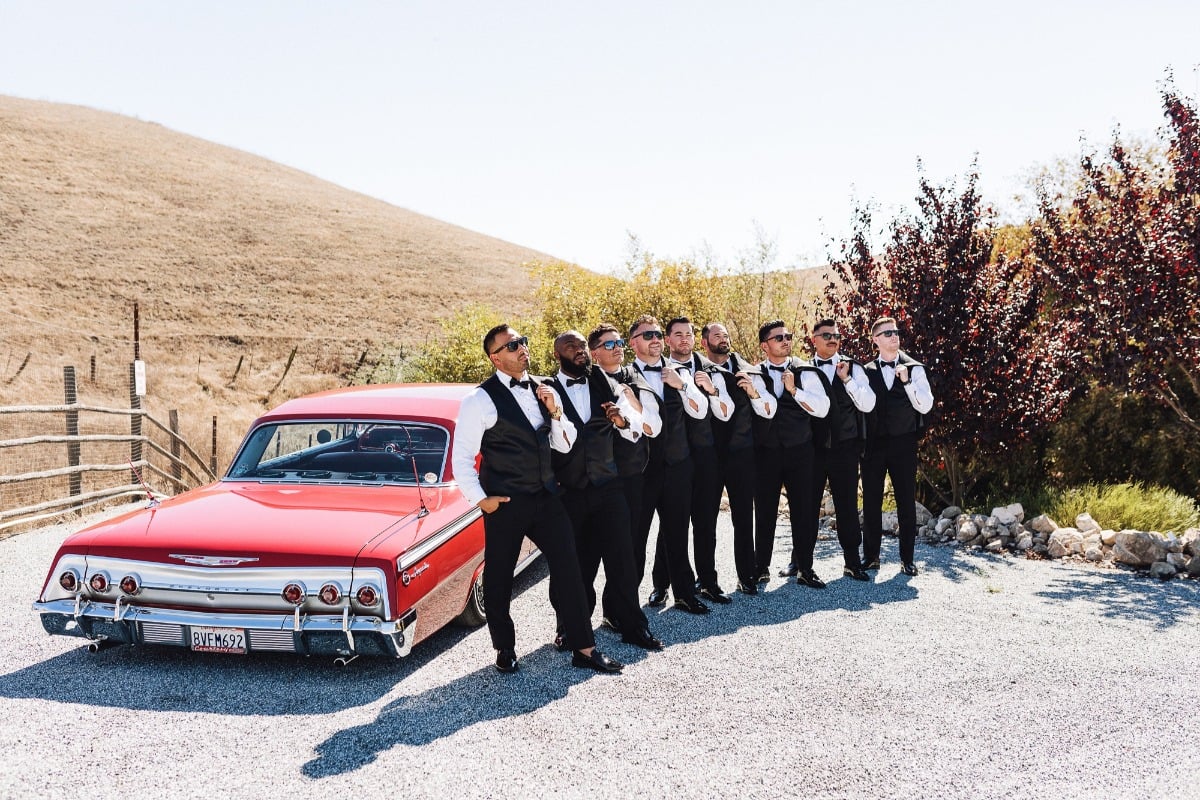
x,y
588,474
514,421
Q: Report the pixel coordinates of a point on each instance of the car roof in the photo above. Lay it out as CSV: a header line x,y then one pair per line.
x,y
423,401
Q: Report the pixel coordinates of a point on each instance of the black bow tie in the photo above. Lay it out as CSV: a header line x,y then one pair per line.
x,y
891,364
777,369
514,383
651,369
576,381
677,365
823,361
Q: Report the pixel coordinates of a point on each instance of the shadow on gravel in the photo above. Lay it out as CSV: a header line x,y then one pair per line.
x,y
152,678
1127,596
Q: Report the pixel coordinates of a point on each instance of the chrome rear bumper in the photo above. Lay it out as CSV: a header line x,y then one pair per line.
x,y
342,635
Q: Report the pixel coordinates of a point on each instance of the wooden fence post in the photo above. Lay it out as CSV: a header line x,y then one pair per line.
x,y
176,469
135,422
213,461
71,397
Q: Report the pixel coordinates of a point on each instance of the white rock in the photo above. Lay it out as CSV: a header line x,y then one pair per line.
x,y
1094,554
951,512
995,546
967,531
1177,560
1191,541
1174,545
1025,542
1057,549
1003,516
1139,548
923,513
943,525
1042,524
1017,510
1108,536
1084,522
1162,570
888,521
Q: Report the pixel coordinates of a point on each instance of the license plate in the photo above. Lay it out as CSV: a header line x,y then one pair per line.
x,y
218,640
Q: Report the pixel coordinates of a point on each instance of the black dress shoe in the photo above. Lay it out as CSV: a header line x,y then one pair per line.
x,y
789,571
765,577
810,579
642,638
858,573
597,661
872,565
657,599
506,660
691,605
560,644
747,588
610,623
716,594
908,568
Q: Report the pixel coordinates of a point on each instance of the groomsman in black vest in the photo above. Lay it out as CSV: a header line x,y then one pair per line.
x,y
668,484
791,395
903,398
733,438
608,353
706,481
515,422
838,441
600,411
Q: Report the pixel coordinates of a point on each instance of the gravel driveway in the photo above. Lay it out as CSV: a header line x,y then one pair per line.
x,y
982,677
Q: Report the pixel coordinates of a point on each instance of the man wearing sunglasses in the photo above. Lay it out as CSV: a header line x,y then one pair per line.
x,y
838,439
903,398
591,489
668,476
783,448
608,352
514,421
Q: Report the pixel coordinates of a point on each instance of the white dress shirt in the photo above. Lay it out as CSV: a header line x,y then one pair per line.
x,y
695,402
809,392
478,413
919,392
651,419
858,387
581,399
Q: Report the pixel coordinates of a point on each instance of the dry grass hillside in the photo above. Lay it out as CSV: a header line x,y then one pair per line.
x,y
231,258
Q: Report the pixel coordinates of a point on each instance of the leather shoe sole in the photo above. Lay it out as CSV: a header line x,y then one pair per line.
x,y
872,565
858,573
596,661
715,594
810,580
506,661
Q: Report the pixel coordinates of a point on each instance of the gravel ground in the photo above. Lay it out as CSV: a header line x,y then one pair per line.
x,y
983,676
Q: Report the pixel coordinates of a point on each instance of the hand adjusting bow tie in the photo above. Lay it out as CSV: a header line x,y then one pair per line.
x,y
514,383
576,381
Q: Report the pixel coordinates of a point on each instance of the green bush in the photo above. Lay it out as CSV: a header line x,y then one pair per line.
x,y
1121,505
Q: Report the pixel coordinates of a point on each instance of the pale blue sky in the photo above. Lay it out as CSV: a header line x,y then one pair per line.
x,y
561,126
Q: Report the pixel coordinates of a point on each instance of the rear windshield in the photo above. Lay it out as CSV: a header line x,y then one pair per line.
x,y
343,451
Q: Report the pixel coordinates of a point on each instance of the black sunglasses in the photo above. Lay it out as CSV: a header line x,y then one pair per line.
x,y
612,344
889,333
513,345
781,337
649,335
830,337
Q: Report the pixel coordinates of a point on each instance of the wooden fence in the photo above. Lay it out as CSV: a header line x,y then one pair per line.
x,y
119,453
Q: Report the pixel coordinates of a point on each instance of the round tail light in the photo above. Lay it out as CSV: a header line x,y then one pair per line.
x,y
99,583
293,593
130,584
330,593
368,596
69,580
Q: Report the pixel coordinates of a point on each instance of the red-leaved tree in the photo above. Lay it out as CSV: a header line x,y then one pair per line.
x,y
1120,263
973,320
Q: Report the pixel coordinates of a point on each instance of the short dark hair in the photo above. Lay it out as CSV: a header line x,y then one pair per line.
x,y
767,327
677,321
883,321
824,323
599,331
489,338
644,319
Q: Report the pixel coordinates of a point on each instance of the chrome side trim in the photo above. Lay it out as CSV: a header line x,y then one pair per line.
x,y
423,548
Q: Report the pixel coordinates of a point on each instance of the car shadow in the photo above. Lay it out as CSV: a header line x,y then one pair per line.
x,y
161,678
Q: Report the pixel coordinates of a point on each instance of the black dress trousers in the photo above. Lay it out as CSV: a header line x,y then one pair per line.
x,y
895,457
668,492
839,466
779,468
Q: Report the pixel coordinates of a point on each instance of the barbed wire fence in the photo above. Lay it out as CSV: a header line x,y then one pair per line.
x,y
75,432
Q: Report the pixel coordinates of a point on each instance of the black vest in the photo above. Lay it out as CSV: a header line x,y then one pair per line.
x,y
894,414
591,460
791,424
631,457
738,432
516,457
670,447
844,421
699,431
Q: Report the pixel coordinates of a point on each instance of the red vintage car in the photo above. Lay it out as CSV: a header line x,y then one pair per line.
x,y
338,530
